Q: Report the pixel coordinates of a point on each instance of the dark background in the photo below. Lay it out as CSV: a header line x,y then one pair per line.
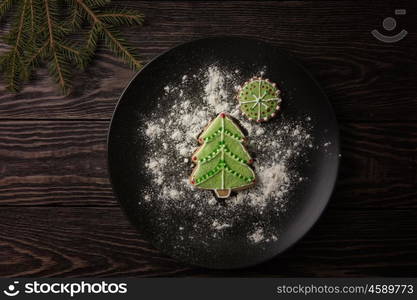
x,y
58,215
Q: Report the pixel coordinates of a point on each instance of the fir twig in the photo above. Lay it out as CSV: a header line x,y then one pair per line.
x,y
13,64
33,59
58,66
31,9
121,17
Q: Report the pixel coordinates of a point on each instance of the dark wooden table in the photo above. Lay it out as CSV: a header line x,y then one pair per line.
x,y
58,216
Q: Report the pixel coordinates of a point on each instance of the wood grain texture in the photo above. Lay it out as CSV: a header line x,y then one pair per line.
x,y
364,78
379,166
58,216
64,163
75,242
81,242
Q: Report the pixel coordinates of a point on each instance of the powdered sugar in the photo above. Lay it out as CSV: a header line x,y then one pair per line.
x,y
257,236
153,130
216,94
273,177
219,226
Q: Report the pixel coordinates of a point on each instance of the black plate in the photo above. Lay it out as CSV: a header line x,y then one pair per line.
x,y
127,149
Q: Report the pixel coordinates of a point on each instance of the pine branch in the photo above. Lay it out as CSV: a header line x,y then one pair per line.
x,y
40,31
5,5
37,54
71,53
76,19
96,3
112,37
13,64
70,50
93,37
119,47
121,17
33,28
16,51
31,19
58,66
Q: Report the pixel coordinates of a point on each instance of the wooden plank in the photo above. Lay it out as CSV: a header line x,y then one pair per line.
x,y
82,242
64,163
364,78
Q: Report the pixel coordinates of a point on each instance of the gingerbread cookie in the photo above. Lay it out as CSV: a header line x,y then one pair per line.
x,y
222,161
259,99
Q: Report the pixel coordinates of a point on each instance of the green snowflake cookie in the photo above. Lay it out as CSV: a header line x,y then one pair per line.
x,y
222,162
259,99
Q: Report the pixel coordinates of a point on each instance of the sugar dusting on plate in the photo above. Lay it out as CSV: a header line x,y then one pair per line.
x,y
171,135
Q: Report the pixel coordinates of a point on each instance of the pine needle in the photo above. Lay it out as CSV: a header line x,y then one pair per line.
x,y
58,65
38,52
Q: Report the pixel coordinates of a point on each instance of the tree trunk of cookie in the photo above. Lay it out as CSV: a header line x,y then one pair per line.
x,y
223,193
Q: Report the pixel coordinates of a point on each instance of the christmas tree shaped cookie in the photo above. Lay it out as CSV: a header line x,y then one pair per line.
x,y
259,99
222,162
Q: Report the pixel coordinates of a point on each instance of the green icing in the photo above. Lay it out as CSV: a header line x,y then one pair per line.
x,y
222,161
259,99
